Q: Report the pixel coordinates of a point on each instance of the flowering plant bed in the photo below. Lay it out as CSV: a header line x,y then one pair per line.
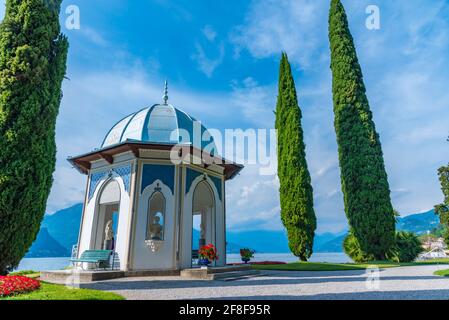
x,y
208,252
13,285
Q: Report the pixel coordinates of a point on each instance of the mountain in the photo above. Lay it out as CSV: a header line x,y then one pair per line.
x,y
59,232
64,225
419,223
46,246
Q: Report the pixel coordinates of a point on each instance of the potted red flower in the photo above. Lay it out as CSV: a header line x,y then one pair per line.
x,y
207,254
246,254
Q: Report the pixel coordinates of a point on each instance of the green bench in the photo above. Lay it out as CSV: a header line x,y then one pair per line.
x,y
99,257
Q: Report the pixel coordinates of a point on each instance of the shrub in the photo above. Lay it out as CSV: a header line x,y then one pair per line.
x,y
352,248
12,285
407,247
247,253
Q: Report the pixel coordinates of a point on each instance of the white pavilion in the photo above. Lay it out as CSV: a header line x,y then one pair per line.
x,y
152,211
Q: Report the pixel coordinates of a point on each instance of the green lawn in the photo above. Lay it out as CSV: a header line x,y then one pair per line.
x,y
322,266
49,291
443,273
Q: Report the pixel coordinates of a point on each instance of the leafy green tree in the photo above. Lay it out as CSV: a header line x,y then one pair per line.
x,y
296,193
443,209
363,176
407,247
352,248
33,56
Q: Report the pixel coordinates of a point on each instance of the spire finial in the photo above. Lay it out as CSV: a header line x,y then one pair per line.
x,y
165,97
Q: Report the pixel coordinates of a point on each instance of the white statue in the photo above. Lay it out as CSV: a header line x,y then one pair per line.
x,y
108,233
156,229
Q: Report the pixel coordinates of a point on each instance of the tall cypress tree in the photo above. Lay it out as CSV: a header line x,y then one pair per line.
x,y
443,209
296,193
33,56
363,177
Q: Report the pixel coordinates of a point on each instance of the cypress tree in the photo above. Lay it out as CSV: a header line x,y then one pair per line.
x,y
442,210
33,56
296,193
363,176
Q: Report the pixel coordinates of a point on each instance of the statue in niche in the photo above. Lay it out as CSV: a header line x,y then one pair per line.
x,y
202,240
108,233
156,228
108,236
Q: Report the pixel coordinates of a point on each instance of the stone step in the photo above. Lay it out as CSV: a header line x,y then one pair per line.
x,y
235,275
219,273
230,268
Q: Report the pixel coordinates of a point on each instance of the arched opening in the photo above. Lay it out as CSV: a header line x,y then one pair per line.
x,y
203,215
156,217
107,217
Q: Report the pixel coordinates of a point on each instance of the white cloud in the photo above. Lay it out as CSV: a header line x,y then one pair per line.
x,y
256,102
209,33
292,26
208,65
92,35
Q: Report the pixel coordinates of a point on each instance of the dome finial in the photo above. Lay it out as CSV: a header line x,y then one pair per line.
x,y
165,97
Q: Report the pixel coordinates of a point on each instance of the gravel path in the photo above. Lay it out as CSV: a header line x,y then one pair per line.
x,y
396,284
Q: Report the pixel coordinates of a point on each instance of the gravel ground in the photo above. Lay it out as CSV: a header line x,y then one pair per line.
x,y
394,284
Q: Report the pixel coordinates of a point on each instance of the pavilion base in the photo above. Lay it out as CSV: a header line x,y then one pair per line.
x,y
83,276
73,277
227,273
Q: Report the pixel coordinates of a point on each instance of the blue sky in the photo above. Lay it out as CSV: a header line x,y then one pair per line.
x,y
221,59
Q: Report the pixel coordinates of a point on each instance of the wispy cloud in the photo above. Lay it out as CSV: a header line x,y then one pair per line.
x,y
209,33
274,26
208,65
93,35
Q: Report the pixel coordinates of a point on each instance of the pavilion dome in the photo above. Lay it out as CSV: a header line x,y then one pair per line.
x,y
159,124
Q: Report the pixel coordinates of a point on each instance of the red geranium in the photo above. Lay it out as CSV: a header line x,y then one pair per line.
x,y
12,285
208,252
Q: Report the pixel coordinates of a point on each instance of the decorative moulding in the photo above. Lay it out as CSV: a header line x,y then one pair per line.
x,y
154,245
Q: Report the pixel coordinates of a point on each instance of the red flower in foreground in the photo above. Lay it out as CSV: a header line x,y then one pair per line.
x,y
12,285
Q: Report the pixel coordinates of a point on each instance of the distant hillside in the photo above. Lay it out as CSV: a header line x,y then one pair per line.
x,y
63,226
419,223
46,246
333,245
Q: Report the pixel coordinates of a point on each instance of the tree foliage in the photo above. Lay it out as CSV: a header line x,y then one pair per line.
x,y
32,66
352,248
296,193
406,248
443,209
363,177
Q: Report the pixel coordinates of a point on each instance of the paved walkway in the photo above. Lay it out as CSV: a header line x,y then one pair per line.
x,y
395,283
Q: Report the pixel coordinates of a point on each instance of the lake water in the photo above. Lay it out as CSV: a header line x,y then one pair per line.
x,y
39,264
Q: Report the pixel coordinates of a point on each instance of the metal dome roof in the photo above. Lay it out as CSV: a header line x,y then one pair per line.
x,y
161,123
